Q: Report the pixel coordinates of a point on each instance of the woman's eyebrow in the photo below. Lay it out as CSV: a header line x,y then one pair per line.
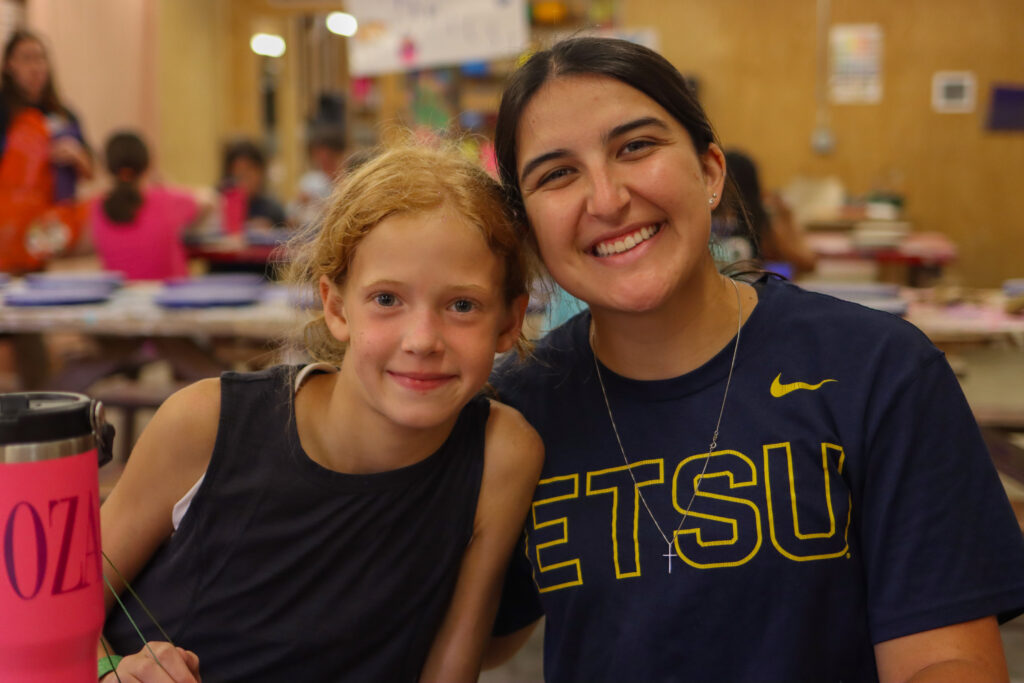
x,y
615,132
538,160
624,128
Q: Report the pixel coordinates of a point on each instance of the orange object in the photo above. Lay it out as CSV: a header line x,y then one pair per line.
x,y
550,12
33,227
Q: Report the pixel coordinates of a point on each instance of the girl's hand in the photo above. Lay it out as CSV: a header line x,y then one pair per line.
x,y
182,666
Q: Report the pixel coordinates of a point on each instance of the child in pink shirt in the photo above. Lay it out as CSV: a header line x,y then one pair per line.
x,y
138,229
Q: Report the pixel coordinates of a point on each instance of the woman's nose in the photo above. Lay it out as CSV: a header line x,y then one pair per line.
x,y
608,195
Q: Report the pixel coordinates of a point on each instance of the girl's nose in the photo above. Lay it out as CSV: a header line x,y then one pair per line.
x,y
423,336
608,196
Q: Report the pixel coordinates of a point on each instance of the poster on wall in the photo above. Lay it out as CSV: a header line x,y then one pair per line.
x,y
1006,108
855,64
406,35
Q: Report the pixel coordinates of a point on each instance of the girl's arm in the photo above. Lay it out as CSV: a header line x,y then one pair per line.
x,y
513,458
171,454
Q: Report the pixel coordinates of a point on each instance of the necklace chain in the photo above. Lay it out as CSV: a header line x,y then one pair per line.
x,y
714,438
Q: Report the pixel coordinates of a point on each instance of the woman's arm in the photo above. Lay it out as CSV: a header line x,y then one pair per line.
x,y
171,454
971,651
513,458
68,151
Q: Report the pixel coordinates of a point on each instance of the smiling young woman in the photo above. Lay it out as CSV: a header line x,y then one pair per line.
x,y
744,481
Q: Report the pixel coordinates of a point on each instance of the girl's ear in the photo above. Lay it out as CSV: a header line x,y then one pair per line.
x,y
713,163
334,309
508,335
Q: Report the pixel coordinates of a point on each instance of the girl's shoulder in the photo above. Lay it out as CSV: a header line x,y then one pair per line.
x,y
168,193
175,448
195,411
513,447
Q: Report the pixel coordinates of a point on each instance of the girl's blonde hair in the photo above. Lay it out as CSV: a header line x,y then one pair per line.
x,y
403,178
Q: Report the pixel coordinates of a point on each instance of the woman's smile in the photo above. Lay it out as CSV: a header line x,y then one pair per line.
x,y
626,242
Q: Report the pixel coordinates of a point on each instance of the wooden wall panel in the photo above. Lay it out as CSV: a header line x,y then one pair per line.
x,y
192,78
756,64
97,51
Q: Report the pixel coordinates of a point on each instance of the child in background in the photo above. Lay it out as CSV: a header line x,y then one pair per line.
x,y
752,225
245,171
350,520
326,149
137,228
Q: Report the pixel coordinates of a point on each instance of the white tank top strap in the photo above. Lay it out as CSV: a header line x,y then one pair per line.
x,y
181,507
307,371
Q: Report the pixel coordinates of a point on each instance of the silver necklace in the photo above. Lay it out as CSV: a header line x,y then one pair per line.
x,y
670,542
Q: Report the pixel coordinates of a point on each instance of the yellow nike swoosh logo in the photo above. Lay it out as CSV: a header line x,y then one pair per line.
x,y
778,389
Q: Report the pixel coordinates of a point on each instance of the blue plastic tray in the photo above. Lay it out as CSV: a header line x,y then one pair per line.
x,y
57,297
232,280
108,279
207,297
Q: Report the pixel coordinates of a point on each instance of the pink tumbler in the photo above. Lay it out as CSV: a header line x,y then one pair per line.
x,y
51,579
234,206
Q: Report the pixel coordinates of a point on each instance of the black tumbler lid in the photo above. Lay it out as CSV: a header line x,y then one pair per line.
x,y
38,416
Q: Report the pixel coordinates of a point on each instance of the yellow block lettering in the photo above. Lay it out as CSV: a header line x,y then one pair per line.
x,y
709,540
625,508
803,525
564,573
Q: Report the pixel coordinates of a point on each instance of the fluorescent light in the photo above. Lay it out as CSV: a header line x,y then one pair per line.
x,y
267,44
342,23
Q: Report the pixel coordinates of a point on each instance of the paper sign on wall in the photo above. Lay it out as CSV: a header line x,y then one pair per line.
x,y
953,92
405,35
855,64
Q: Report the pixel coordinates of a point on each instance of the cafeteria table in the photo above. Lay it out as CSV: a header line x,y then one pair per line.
x,y
132,327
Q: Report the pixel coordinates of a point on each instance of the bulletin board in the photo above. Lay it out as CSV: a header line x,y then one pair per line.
x,y
855,64
405,35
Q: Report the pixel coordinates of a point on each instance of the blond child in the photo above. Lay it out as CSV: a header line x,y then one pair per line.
x,y
352,519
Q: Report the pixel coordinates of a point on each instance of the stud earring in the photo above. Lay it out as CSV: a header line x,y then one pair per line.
x,y
714,196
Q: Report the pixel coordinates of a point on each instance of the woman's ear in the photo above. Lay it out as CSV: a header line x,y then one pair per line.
x,y
713,163
334,309
508,335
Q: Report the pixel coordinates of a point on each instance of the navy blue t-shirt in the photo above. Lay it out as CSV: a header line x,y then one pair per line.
x,y
850,500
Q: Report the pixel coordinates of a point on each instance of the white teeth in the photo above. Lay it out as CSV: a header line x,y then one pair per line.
x,y
628,242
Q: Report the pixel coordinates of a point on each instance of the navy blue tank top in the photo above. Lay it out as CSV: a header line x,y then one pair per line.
x,y
283,570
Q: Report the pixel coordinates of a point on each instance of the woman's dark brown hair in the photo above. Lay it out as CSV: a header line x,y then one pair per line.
x,y
13,97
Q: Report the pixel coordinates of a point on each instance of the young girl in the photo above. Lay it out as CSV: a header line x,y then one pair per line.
x,y
744,481
137,228
349,521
